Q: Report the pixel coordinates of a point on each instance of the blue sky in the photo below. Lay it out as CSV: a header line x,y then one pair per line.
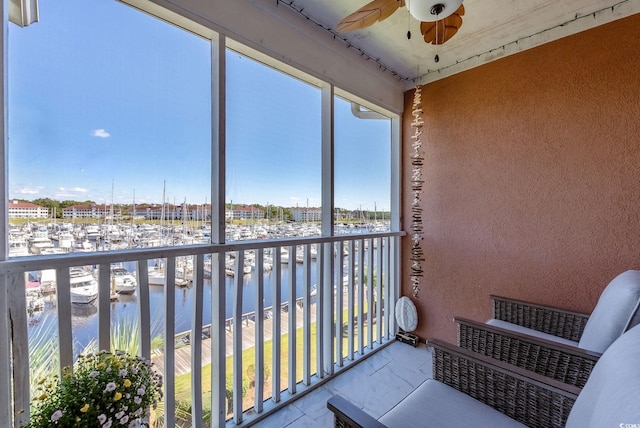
x,y
102,96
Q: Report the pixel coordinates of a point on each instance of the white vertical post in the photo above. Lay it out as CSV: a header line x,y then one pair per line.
x,y
326,320
104,306
322,290
218,341
169,352
6,420
259,331
218,183
378,298
292,319
20,348
387,287
370,302
339,300
361,323
196,338
277,324
63,302
351,298
306,317
237,337
144,310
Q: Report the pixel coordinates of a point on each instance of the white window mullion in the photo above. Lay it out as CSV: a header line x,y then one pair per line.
x,y
218,180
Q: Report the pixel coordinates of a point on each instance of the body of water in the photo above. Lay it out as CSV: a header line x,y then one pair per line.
x,y
125,310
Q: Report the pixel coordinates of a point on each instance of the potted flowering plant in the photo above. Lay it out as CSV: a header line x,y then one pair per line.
x,y
103,390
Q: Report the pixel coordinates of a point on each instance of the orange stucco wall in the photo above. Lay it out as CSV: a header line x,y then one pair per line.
x,y
532,178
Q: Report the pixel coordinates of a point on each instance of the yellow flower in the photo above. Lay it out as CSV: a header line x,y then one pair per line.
x,y
43,396
100,366
127,383
85,408
117,396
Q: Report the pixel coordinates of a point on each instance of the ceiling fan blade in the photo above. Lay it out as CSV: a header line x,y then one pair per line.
x,y
369,14
444,29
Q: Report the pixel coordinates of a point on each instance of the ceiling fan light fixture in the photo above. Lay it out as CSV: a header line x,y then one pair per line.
x,y
432,10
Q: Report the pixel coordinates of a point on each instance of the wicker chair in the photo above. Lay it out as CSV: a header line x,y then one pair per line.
x,y
568,364
469,389
617,310
553,342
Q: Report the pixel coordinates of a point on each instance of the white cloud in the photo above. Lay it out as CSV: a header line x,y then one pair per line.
x,y
29,190
100,133
72,192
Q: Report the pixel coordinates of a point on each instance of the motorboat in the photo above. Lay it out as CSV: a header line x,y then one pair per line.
x,y
122,281
84,287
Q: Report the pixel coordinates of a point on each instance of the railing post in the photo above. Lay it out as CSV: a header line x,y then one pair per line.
x,y
331,290
63,302
6,419
351,299
104,310
218,341
18,316
259,332
292,319
277,324
144,311
339,300
169,355
322,291
196,337
237,337
306,317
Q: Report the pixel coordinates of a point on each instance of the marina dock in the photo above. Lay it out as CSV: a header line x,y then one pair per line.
x,y
183,348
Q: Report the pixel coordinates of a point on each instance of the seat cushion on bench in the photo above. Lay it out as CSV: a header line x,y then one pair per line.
x,y
531,332
434,404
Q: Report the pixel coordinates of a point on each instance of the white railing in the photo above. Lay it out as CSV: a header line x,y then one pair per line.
x,y
337,301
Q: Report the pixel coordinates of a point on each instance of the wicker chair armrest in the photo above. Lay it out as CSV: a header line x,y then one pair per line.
x,y
567,364
347,415
558,322
523,395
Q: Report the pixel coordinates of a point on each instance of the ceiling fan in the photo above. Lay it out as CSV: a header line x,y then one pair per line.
x,y
441,19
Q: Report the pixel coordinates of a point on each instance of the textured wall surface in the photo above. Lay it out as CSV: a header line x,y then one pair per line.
x,y
532,178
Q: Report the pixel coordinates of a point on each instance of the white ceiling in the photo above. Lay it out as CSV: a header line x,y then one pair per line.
x,y
491,29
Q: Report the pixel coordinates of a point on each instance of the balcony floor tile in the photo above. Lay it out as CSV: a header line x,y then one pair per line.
x,y
375,385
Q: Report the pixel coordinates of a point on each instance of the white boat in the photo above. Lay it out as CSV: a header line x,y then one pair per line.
x,y
84,287
92,232
122,281
18,246
156,275
39,242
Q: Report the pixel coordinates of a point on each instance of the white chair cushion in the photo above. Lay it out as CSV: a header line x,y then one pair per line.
x,y
611,396
616,311
531,332
434,404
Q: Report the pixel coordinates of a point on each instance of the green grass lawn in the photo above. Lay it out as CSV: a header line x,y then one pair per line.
x,y
183,382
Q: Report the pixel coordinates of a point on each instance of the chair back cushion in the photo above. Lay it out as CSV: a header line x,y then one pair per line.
x,y
618,310
611,396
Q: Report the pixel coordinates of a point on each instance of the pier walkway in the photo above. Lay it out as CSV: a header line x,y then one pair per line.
x,y
183,348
